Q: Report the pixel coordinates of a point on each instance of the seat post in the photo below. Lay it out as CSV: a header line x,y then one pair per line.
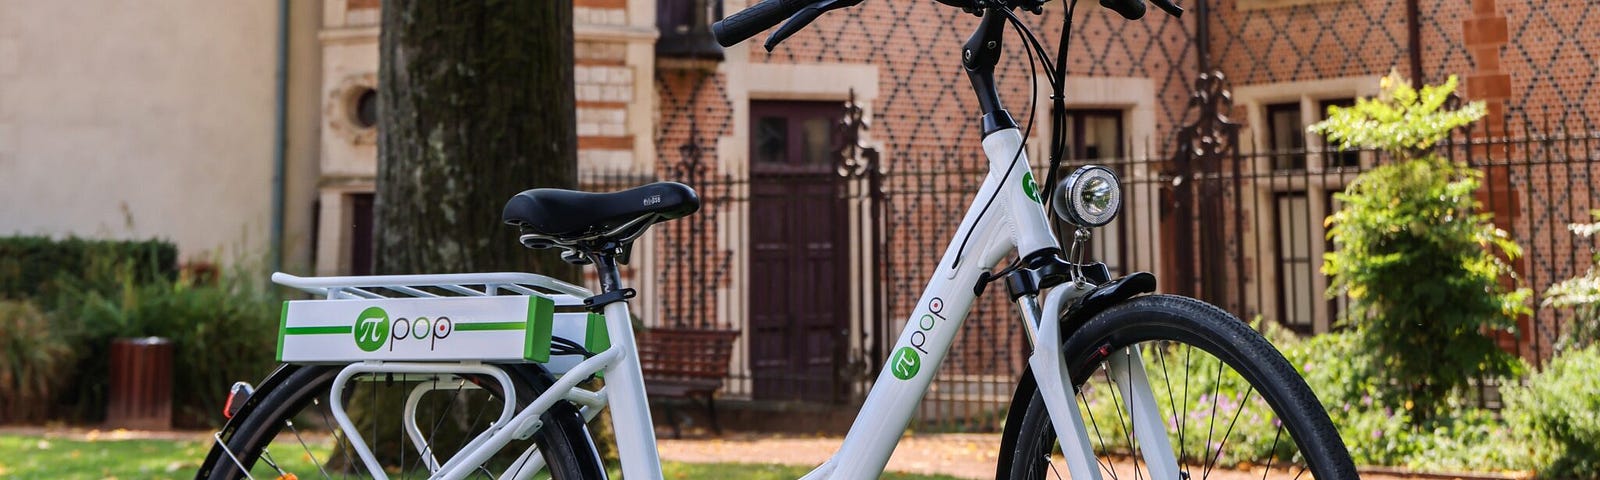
x,y
606,265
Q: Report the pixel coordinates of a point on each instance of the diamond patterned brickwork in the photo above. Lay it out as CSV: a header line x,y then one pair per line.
x,y
1552,52
926,109
1542,54
1305,42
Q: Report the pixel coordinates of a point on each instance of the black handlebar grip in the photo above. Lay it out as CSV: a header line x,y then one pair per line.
x,y
750,21
1129,9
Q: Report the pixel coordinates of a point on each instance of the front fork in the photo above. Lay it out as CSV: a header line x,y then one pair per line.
x,y
1125,368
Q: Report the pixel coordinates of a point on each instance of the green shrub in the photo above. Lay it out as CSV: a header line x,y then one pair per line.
x,y
1582,293
1421,265
1558,413
34,359
221,332
32,266
1462,438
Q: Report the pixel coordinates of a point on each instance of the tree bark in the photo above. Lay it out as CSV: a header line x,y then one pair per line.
x,y
476,104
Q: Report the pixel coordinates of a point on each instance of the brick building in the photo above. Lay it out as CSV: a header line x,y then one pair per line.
x,y
816,259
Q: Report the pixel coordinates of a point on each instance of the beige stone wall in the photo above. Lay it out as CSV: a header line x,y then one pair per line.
x,y
138,119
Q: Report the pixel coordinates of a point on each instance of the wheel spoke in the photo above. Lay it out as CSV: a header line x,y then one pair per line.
x,y
1272,453
307,448
1216,385
1127,432
1177,420
1104,465
339,437
1188,351
1224,442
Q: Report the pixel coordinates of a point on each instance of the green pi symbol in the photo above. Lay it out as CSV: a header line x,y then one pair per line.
x,y
371,329
905,363
1030,188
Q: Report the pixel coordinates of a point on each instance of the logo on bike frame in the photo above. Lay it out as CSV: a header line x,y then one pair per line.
x,y
371,329
905,363
1030,188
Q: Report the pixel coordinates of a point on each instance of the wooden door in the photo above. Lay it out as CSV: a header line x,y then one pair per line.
x,y
797,275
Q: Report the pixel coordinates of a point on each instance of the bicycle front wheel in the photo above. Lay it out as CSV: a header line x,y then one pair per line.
x,y
292,431
1232,406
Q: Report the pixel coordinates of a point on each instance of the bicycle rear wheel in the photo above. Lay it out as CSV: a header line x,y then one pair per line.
x,y
1232,405
292,430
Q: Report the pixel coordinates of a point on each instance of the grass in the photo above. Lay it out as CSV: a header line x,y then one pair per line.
x,y
40,457
29,457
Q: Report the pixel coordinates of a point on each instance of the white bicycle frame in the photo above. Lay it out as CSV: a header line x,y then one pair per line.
x,y
1005,218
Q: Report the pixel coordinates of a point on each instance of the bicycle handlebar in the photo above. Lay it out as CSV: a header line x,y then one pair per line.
x,y
752,20
755,19
1134,9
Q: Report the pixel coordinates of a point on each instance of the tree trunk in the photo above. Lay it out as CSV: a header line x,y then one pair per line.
x,y
477,105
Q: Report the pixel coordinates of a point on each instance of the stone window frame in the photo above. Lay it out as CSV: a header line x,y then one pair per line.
x,y
1314,183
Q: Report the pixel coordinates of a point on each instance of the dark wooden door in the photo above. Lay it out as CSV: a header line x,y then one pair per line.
x,y
797,274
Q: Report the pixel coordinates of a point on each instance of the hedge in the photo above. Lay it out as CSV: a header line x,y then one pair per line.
x,y
34,266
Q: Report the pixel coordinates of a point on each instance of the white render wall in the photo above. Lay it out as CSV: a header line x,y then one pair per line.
x,y
137,119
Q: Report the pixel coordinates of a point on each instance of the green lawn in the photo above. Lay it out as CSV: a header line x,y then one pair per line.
x,y
39,457
27,457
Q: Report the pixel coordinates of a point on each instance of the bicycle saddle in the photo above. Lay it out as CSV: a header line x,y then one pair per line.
x,y
568,216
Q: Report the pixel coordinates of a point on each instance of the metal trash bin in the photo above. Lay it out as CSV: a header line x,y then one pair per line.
x,y
141,384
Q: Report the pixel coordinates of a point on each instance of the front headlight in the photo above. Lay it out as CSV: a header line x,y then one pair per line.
x,y
1089,198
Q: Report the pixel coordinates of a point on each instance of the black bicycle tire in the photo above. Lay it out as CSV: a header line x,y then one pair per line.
x,y
1196,323
563,440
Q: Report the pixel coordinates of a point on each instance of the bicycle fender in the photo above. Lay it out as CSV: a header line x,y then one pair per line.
x,y
267,385
1096,301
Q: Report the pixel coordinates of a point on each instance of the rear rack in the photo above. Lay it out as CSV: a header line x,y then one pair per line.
x,y
434,286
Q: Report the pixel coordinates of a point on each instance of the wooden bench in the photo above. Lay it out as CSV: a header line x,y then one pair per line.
x,y
686,363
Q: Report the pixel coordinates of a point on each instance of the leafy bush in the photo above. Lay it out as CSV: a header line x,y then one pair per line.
x,y
1462,438
1558,412
1582,293
34,358
1419,262
32,266
221,332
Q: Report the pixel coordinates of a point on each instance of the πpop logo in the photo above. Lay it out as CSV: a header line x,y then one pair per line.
x,y
906,361
373,328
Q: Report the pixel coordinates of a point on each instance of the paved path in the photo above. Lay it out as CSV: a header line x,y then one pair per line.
x,y
961,455
965,455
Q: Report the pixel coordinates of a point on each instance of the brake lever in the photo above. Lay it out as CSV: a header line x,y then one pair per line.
x,y
804,17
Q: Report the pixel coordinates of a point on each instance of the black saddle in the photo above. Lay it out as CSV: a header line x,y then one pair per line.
x,y
551,216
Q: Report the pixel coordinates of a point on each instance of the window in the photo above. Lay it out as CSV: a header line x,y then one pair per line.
x,y
1286,136
1094,135
1336,157
360,233
364,112
685,27
1295,174
1296,265
1299,203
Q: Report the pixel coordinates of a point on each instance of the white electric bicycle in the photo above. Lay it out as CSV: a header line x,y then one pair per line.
x,y
472,375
